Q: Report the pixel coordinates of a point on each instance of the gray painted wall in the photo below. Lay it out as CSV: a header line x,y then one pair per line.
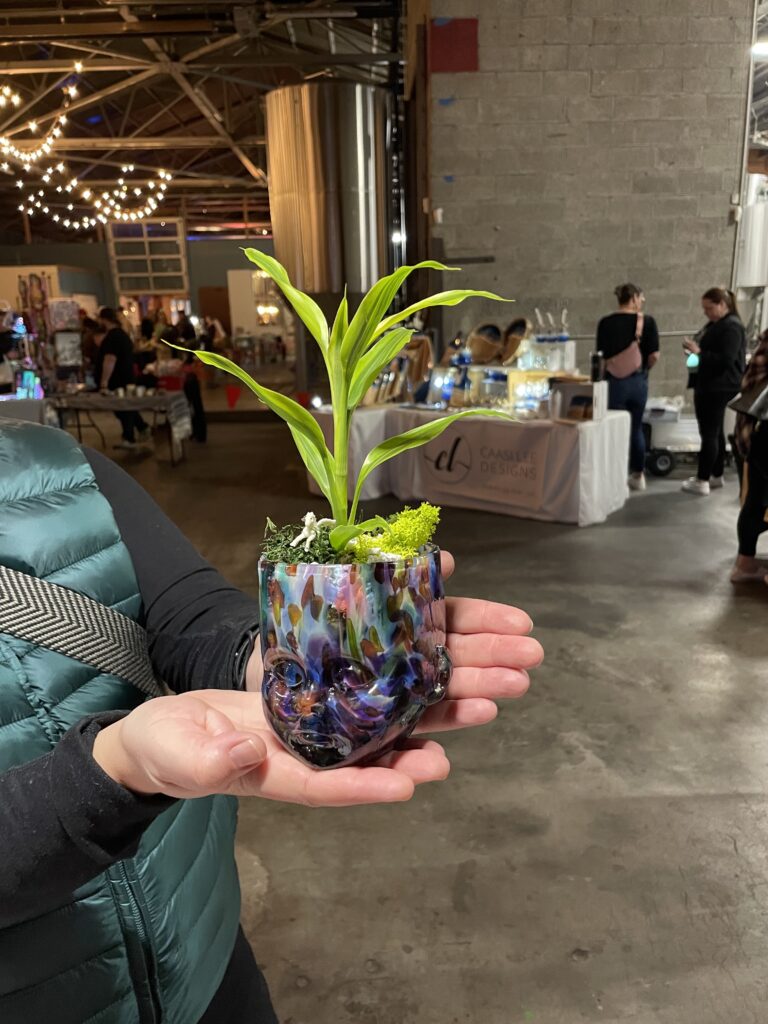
x,y
599,142
89,260
209,261
211,258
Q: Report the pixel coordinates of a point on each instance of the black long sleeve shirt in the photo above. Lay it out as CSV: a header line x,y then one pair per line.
x,y
723,357
62,819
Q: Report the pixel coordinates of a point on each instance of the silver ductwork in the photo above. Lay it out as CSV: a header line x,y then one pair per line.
x,y
330,184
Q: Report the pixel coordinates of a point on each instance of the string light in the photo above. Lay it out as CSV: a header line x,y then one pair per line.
x,y
28,157
108,207
7,95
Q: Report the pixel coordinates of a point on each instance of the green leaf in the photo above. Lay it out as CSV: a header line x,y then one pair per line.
x,y
377,523
333,362
341,323
306,308
373,307
373,362
414,439
303,426
340,536
451,298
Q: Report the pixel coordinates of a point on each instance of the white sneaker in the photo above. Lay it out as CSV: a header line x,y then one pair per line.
x,y
637,482
129,446
695,486
715,483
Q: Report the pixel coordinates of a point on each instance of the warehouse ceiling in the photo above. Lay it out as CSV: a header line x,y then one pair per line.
x,y
173,84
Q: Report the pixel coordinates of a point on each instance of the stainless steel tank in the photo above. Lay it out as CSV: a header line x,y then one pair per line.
x,y
330,184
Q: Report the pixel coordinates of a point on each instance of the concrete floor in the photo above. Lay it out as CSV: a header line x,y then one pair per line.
x,y
600,853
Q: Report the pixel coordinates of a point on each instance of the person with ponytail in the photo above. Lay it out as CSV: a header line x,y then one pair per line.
x,y
629,341
722,350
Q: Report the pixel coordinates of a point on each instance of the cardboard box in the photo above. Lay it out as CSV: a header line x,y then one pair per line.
x,y
576,400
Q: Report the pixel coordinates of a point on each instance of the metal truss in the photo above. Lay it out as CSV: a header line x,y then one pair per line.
x,y
179,84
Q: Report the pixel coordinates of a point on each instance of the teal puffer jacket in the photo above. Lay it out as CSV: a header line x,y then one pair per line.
x,y
149,939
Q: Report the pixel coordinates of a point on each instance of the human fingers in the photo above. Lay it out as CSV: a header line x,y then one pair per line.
x,y
284,778
421,760
493,683
449,715
488,650
178,746
472,615
447,564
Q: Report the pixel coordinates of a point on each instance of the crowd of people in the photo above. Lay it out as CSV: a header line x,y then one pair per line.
x,y
120,357
722,375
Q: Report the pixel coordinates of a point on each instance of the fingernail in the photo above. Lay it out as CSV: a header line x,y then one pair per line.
x,y
244,754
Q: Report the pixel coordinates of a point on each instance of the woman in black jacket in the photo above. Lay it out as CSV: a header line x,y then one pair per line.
x,y
722,351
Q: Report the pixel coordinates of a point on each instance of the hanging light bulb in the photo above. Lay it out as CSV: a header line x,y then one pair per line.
x,y
78,66
32,126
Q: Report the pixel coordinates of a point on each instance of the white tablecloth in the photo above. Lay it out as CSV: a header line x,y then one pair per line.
x,y
560,472
30,409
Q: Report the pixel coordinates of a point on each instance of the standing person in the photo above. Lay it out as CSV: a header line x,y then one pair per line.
x,y
722,350
114,369
751,439
186,330
629,341
119,897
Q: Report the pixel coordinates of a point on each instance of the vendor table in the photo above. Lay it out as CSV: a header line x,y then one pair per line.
x,y
562,471
173,406
32,410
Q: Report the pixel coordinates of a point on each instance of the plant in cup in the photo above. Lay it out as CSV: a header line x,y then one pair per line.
x,y
352,611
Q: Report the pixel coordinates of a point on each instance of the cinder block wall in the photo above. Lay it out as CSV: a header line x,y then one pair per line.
x,y
599,142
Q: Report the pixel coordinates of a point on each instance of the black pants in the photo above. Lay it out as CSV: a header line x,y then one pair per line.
x,y
710,413
194,396
131,422
752,517
243,996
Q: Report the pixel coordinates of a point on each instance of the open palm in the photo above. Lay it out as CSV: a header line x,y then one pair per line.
x,y
218,741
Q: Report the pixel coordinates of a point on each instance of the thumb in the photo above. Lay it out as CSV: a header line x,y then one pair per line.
x,y
246,752
224,758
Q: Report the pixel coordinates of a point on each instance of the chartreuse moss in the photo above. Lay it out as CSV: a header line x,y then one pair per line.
x,y
404,535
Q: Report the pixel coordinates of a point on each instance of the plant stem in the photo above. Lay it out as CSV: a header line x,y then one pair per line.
x,y
340,459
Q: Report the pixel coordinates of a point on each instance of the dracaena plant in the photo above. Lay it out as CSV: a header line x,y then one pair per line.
x,y
355,352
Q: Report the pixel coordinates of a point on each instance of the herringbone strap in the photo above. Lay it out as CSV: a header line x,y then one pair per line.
x,y
75,625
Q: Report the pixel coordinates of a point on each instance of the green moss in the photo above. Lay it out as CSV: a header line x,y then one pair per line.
x,y
406,533
277,545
